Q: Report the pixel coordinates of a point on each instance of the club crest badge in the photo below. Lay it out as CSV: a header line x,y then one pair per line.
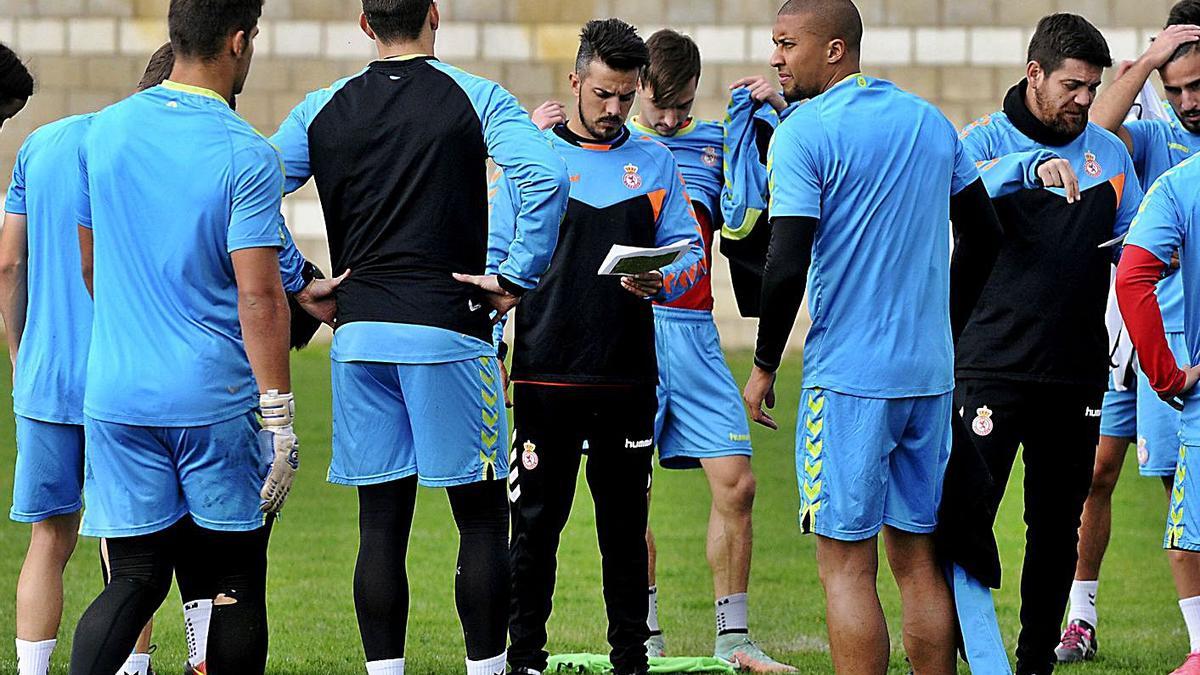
x,y
529,458
1090,166
632,180
1143,453
710,156
982,425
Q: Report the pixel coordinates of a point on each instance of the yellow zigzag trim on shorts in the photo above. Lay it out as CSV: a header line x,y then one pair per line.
x,y
809,461
490,413
1175,513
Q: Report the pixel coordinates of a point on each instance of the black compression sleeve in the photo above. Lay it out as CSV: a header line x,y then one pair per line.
x,y
784,279
977,237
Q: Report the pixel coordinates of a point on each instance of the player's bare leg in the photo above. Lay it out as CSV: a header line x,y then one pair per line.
x,y
730,532
730,540
928,608
40,586
1096,527
858,637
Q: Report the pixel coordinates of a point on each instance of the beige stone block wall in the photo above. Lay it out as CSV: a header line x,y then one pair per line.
x,y
960,54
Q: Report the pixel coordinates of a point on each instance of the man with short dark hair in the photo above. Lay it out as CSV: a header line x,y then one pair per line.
x,y
1157,140
398,153
180,466
1031,363
584,367
864,181
700,421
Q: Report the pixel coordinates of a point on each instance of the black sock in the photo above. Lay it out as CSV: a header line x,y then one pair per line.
x,y
482,585
385,515
237,633
140,577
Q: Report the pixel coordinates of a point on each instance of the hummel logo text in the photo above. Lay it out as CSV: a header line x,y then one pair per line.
x,y
634,445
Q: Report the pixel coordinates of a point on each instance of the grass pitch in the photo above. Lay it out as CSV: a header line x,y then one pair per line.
x,y
313,628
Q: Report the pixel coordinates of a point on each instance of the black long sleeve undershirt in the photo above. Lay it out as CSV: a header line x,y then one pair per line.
x,y
977,238
784,279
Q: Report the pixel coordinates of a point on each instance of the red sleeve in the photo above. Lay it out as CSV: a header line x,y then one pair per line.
x,y
1137,275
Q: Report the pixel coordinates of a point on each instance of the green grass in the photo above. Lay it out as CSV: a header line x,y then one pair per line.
x,y
313,628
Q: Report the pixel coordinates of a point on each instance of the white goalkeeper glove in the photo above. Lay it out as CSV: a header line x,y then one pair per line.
x,y
276,411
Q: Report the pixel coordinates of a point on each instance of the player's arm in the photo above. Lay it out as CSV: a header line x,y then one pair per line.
x,y
978,235
14,257
83,216
253,241
1159,232
1113,104
502,218
541,190
977,238
744,192
795,173
14,289
263,312
676,222
762,91
1027,170
784,280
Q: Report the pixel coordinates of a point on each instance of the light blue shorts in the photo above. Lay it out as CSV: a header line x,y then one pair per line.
x,y
1158,424
867,462
442,422
1119,412
700,410
1183,517
139,480
48,478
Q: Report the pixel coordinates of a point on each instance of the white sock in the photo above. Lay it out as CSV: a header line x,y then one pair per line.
x,y
1083,602
492,666
652,616
731,614
386,667
196,615
136,664
1191,616
33,658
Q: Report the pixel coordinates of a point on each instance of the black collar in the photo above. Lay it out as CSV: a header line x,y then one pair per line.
x,y
1028,123
588,144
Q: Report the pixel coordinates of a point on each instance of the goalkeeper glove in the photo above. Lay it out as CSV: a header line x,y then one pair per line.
x,y
276,411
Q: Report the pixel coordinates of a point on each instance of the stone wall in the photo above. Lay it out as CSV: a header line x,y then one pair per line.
x,y
962,55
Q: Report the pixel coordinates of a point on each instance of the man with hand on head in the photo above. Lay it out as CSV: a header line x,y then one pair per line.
x,y
1155,146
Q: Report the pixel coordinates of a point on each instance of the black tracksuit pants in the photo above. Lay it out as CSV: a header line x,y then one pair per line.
x,y
551,425
1059,426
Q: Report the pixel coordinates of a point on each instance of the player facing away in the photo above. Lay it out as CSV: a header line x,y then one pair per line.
x,y
862,176
1031,363
16,84
48,317
584,367
179,237
1156,144
398,153
700,421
